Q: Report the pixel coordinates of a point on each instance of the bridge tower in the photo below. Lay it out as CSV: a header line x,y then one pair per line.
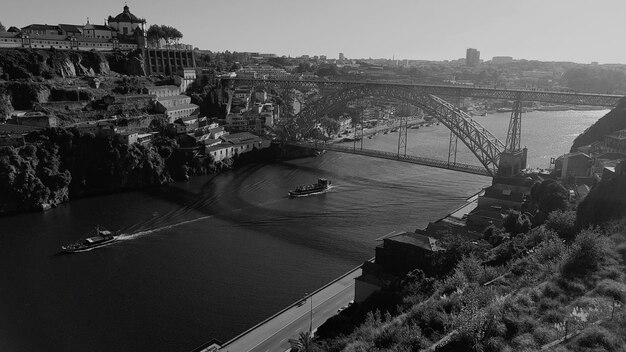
x,y
513,158
452,148
402,135
514,135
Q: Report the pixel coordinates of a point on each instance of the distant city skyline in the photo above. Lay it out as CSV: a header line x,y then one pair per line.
x,y
556,30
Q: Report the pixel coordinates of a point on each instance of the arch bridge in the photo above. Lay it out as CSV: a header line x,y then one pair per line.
x,y
487,148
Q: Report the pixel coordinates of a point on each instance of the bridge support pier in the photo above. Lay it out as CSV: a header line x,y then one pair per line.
x,y
452,148
514,136
402,135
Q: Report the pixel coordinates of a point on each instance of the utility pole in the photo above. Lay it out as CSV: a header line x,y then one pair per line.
x,y
311,313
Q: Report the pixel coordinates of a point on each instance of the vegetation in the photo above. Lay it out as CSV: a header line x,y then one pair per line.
x,y
596,79
2,28
156,33
524,288
31,176
59,164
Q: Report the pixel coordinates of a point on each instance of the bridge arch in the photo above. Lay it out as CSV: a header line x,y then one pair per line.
x,y
485,146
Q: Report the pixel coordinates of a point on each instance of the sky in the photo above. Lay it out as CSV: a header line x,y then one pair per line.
x,y
549,30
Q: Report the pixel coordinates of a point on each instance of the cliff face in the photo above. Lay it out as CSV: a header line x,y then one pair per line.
x,y
21,63
21,96
131,64
615,120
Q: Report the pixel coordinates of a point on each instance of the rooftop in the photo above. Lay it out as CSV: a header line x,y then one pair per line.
x,y
16,129
70,28
40,27
126,17
241,137
182,107
417,240
174,97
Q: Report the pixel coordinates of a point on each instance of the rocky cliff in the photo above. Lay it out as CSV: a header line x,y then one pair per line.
x,y
615,120
131,64
22,63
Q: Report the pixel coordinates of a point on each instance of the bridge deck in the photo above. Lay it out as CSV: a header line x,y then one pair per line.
x,y
471,169
555,97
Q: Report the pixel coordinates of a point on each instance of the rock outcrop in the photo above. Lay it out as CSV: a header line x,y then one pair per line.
x,y
21,63
615,120
131,64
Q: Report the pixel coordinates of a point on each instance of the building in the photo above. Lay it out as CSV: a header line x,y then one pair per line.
x,y
504,194
180,111
499,60
97,128
396,256
98,31
186,76
40,30
234,144
163,103
130,138
35,119
126,24
472,57
70,30
616,141
124,32
58,41
575,164
341,57
163,91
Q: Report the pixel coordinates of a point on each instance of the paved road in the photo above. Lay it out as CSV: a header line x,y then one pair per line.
x,y
274,334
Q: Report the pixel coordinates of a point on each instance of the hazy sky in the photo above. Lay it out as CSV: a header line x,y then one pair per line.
x,y
567,30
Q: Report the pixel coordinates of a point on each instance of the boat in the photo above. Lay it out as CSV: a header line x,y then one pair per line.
x,y
102,238
303,190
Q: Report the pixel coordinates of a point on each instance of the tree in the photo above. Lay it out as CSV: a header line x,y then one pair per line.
x,y
2,29
156,32
330,126
515,223
304,343
549,196
327,70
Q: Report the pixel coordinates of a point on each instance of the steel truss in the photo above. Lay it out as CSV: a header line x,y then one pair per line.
x,y
555,97
480,141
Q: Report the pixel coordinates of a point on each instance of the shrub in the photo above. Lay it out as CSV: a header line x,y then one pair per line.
x,y
544,335
612,289
516,223
563,223
594,337
590,252
524,341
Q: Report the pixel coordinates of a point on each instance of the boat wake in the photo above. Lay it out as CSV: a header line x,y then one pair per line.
x,y
131,236
125,236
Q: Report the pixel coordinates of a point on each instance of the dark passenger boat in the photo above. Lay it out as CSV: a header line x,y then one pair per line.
x,y
321,185
102,238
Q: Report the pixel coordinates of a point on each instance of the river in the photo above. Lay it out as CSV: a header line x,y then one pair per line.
x,y
211,257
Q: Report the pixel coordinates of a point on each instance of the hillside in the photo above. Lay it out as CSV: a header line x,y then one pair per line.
x,y
615,120
556,287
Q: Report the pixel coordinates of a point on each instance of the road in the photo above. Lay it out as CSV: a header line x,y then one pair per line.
x,y
274,334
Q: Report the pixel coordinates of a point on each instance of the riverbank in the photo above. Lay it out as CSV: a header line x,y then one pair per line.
x,y
59,166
